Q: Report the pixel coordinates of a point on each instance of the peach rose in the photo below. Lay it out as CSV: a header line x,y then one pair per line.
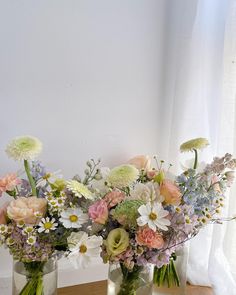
x,y
141,162
113,198
99,212
171,192
147,237
3,214
8,182
24,209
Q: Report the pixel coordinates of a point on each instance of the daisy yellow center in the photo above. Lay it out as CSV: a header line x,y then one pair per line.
x,y
47,225
31,240
153,216
73,218
82,249
2,228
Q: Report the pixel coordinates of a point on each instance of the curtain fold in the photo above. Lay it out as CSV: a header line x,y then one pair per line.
x,y
199,101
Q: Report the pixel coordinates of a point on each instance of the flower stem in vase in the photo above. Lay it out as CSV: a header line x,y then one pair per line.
x,y
130,280
34,285
166,275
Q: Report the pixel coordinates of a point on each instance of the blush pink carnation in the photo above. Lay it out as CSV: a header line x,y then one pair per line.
x,y
147,237
113,198
171,192
25,209
8,182
99,212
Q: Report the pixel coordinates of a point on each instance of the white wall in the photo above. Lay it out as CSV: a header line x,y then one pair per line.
x,y
85,77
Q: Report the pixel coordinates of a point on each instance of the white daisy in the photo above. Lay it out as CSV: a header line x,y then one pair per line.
x,y
31,240
28,230
153,215
46,225
73,218
83,248
3,228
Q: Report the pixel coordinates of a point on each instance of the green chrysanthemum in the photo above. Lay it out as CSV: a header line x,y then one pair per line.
x,y
79,189
126,213
24,148
194,144
122,176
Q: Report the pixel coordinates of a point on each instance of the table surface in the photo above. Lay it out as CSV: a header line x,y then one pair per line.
x,y
99,288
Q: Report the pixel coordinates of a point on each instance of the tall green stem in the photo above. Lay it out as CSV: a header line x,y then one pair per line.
x,y
30,177
196,159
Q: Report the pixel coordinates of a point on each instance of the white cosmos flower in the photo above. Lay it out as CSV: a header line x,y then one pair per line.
x,y
47,224
83,248
153,215
49,178
73,218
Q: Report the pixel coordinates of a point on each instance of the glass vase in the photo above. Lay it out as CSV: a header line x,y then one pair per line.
x,y
35,278
122,281
176,275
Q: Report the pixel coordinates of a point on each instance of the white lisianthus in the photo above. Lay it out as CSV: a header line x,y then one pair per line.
x,y
99,185
24,148
154,216
83,248
73,218
146,192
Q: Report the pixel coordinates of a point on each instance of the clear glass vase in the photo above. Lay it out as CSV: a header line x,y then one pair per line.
x,y
35,278
138,281
177,268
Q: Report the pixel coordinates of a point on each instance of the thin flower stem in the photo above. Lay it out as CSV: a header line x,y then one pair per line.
x,y
30,177
196,159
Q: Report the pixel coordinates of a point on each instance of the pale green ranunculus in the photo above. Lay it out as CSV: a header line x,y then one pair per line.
x,y
117,241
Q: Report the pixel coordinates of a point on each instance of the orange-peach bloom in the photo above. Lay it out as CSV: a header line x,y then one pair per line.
x,y
147,237
113,198
8,182
141,162
171,192
25,209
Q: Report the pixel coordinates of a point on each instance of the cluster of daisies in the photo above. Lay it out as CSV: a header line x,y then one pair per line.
x,y
134,214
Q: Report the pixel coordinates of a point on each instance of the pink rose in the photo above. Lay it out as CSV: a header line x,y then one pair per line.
x,y
141,162
171,192
3,214
147,237
25,209
113,198
99,212
151,174
8,182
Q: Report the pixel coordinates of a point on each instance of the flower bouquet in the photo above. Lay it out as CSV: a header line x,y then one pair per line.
x,y
40,220
144,214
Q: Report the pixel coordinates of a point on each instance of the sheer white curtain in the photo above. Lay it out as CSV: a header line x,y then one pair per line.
x,y
199,100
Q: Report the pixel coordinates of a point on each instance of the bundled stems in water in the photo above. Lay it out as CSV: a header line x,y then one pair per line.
x,y
34,285
166,275
130,280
